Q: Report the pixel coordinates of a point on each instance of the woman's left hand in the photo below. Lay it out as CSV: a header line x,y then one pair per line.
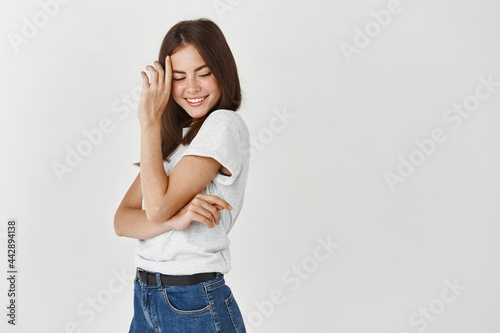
x,y
155,95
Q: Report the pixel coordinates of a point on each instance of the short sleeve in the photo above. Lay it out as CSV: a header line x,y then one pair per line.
x,y
220,137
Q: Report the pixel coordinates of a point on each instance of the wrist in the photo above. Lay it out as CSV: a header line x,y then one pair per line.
x,y
173,223
150,124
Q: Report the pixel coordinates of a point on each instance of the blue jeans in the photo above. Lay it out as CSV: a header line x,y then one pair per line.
x,y
207,306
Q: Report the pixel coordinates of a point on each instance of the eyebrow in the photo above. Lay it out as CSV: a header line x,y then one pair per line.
x,y
197,69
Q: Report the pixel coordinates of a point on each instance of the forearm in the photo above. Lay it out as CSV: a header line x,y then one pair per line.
x,y
154,180
133,223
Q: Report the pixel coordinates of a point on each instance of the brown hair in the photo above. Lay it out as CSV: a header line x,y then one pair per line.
x,y
210,42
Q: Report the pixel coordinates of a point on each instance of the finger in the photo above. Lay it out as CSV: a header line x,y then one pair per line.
x,y
145,79
199,210
154,75
203,199
213,199
161,72
168,69
209,212
203,216
212,210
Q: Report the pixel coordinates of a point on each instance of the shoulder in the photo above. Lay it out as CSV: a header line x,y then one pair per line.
x,y
227,118
225,115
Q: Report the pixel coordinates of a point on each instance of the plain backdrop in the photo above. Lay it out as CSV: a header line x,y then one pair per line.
x,y
337,96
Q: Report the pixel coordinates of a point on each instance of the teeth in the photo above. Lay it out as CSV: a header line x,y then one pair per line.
x,y
195,100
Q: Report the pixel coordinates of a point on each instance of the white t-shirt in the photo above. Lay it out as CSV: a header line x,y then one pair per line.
x,y
198,249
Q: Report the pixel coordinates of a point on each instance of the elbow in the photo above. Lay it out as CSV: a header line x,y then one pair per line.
x,y
118,232
117,225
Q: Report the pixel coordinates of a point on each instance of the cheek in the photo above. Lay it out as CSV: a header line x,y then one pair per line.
x,y
212,86
177,91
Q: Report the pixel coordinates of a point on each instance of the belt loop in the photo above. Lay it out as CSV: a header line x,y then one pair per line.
x,y
158,280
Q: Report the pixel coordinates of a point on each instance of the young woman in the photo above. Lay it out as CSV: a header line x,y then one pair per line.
x,y
189,192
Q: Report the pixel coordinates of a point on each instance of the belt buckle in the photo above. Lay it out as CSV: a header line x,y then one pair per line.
x,y
140,273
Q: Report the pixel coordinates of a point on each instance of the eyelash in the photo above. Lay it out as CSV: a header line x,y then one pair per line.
x,y
204,75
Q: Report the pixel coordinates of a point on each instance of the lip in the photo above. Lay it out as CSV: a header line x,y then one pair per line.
x,y
198,103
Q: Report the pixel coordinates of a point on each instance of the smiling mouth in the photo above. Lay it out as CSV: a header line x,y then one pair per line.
x,y
195,100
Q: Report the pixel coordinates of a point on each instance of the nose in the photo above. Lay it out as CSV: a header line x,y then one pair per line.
x,y
192,85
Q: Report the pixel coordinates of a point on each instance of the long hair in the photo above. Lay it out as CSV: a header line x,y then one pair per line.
x,y
210,42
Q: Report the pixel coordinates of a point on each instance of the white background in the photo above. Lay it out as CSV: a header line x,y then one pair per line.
x,y
319,176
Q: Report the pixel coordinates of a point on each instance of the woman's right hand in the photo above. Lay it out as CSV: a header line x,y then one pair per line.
x,y
203,208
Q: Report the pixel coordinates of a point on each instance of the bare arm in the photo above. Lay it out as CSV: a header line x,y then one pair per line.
x,y
165,195
131,221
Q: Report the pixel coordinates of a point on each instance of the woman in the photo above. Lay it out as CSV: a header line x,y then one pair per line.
x,y
189,191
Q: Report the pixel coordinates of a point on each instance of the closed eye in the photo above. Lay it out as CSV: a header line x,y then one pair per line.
x,y
204,75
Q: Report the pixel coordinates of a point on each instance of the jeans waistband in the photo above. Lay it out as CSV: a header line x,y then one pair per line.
x,y
173,280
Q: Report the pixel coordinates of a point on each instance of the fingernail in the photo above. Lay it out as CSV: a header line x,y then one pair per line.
x,y
230,207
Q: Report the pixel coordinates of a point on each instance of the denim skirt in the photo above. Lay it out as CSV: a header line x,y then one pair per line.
x,y
205,307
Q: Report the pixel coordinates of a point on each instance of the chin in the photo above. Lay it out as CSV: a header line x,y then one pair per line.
x,y
196,113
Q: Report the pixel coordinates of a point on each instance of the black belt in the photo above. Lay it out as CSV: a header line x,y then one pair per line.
x,y
174,280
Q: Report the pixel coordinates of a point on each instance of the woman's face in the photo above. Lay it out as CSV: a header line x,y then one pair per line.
x,y
194,87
